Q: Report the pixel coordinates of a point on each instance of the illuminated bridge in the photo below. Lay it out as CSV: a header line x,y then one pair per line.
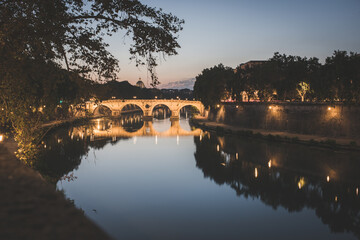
x,y
146,105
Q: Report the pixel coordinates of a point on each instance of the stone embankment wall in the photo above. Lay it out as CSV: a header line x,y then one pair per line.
x,y
330,120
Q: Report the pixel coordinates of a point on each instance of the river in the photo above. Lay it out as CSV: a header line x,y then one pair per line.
x,y
167,180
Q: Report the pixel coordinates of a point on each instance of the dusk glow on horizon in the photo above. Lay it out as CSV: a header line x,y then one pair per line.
x,y
233,32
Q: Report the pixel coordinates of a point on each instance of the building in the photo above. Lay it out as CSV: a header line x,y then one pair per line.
x,y
140,84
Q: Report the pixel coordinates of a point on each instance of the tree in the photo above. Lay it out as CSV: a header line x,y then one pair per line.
x,y
48,48
303,88
213,83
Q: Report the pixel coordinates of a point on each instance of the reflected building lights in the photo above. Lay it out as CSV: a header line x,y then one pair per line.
x,y
156,139
1,138
237,156
177,140
357,191
135,139
269,163
328,178
256,173
217,148
301,183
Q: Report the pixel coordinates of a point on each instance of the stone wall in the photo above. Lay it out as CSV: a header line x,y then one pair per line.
x,y
330,120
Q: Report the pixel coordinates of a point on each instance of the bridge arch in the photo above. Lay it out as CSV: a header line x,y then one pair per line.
x,y
129,104
166,112
102,110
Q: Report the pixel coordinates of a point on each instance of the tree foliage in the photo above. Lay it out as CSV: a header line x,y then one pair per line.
x,y
213,84
285,77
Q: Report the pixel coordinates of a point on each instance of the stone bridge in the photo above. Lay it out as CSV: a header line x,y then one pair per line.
x,y
146,105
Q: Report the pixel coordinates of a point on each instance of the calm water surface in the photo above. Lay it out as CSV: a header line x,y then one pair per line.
x,y
167,180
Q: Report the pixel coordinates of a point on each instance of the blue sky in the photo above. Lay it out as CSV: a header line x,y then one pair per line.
x,y
232,32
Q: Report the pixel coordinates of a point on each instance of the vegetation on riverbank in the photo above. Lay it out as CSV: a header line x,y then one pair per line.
x,y
285,78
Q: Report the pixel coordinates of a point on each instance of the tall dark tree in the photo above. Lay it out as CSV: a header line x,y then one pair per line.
x,y
213,84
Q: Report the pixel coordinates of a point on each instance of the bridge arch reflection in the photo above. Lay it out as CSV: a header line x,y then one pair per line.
x,y
109,128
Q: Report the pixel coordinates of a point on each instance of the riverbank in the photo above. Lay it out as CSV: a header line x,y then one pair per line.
x,y
32,209
312,140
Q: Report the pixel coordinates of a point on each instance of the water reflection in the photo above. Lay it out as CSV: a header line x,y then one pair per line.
x,y
63,150
291,176
149,172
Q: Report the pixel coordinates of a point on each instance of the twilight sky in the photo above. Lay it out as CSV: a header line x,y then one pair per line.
x,y
236,31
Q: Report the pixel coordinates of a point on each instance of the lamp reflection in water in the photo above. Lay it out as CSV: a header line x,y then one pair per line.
x,y
269,163
1,138
328,178
301,183
256,173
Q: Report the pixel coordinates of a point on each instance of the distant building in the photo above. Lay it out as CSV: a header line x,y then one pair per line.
x,y
251,64
140,84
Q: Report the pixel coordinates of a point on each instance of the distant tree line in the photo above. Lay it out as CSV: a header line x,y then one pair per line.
x,y
283,78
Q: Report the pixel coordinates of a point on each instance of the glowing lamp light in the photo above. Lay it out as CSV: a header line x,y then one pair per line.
x,y
217,147
237,156
270,107
155,97
269,163
336,198
256,173
329,108
218,105
328,178
237,106
1,138
134,97
357,191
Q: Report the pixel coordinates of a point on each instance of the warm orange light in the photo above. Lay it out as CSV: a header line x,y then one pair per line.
x,y
237,106
301,183
155,97
357,191
237,156
269,163
256,173
270,107
134,96
1,138
218,105
328,178
223,164
336,198
329,108
217,147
